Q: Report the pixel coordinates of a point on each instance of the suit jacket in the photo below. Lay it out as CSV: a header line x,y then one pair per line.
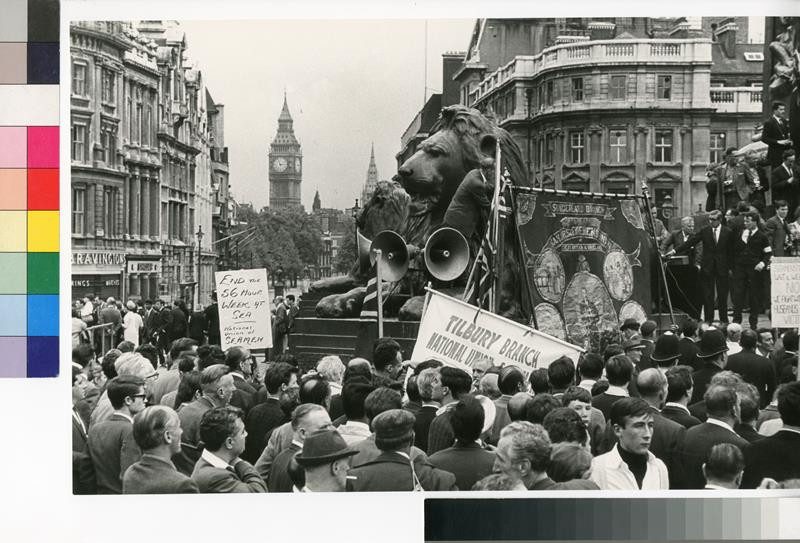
x,y
757,370
748,432
680,416
368,451
82,472
777,231
197,326
279,479
154,475
702,378
771,133
259,422
666,445
575,484
775,457
241,478
190,416
782,189
177,325
440,434
717,255
212,323
689,349
501,418
676,239
112,450
603,402
425,416
696,446
392,472
468,462
747,255
243,395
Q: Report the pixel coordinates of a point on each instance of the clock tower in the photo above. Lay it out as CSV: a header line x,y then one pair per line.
x,y
285,164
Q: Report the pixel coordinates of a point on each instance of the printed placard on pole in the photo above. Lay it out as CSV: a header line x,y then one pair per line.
x,y
459,335
785,292
244,313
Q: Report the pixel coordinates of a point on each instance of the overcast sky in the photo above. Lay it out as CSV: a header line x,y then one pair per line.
x,y
349,83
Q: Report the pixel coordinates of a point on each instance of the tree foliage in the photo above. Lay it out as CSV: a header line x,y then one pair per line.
x,y
347,252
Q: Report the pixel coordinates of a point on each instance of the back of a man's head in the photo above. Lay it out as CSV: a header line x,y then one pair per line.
x,y
354,394
278,374
726,378
180,345
679,382
357,370
720,401
488,385
648,328
234,356
749,339
619,369
122,387
217,425
689,328
789,404
734,332
539,406
459,382
725,463
611,350
650,383
384,353
208,355
510,380
467,419
518,405
209,379
426,364
314,389
590,366
539,381
83,354
302,411
561,373
380,400
133,364
528,441
565,425
790,340
150,424
425,381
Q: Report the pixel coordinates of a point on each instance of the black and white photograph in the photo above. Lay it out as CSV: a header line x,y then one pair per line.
x,y
443,254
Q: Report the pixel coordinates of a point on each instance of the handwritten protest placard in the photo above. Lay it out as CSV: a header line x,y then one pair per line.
x,y
785,277
458,335
244,313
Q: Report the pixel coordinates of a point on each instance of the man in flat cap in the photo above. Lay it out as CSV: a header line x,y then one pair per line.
x,y
393,469
325,459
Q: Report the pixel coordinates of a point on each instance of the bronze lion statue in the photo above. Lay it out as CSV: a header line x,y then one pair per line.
x,y
429,178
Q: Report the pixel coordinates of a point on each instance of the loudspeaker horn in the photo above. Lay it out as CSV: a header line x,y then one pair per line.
x,y
363,251
394,255
446,254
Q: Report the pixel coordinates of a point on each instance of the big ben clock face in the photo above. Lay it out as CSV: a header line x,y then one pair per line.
x,y
297,164
279,164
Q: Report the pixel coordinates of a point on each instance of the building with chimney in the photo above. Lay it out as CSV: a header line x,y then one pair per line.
x,y
602,104
285,164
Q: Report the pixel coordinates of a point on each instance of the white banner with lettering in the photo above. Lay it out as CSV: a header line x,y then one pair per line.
x,y
459,334
244,313
785,292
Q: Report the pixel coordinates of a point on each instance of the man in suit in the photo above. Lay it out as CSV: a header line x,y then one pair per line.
x,y
619,369
523,453
679,391
110,443
429,383
723,470
754,368
306,419
734,180
752,253
776,228
217,388
715,264
510,381
240,363
714,354
355,427
219,469
775,457
212,320
722,405
110,314
157,431
686,277
394,469
784,181
177,326
325,460
149,317
776,134
466,459
456,384
281,382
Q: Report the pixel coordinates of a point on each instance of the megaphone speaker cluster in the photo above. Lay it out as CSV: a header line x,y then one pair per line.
x,y
446,254
394,258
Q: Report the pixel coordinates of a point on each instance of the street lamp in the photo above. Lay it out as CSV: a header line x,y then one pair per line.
x,y
199,235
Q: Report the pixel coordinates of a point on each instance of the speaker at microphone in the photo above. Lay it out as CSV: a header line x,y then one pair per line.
x,y
446,254
394,258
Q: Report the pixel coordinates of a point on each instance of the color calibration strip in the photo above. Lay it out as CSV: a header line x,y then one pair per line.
x,y
612,519
29,232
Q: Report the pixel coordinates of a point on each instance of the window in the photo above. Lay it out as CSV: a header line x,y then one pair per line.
x,y
109,211
137,119
128,115
663,146
618,141
616,89
79,142
148,124
549,149
664,87
716,147
108,143
108,95
78,210
577,89
78,79
576,148
549,93
540,98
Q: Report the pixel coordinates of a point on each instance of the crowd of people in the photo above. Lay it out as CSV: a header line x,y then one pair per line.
x,y
732,253
698,407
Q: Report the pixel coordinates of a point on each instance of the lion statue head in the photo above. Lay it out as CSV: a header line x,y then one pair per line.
x,y
459,139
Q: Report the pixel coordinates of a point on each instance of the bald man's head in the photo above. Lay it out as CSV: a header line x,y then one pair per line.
x,y
517,405
652,386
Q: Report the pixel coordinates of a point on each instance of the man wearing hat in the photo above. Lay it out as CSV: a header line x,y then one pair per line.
x,y
629,328
393,469
648,330
666,352
634,347
714,355
325,458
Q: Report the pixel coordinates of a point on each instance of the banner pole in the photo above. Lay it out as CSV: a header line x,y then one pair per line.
x,y
428,288
493,298
379,292
662,269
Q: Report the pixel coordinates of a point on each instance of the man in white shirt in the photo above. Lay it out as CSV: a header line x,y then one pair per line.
x,y
630,465
356,429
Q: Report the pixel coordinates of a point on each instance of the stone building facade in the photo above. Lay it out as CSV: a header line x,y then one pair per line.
x,y
141,164
604,104
285,164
